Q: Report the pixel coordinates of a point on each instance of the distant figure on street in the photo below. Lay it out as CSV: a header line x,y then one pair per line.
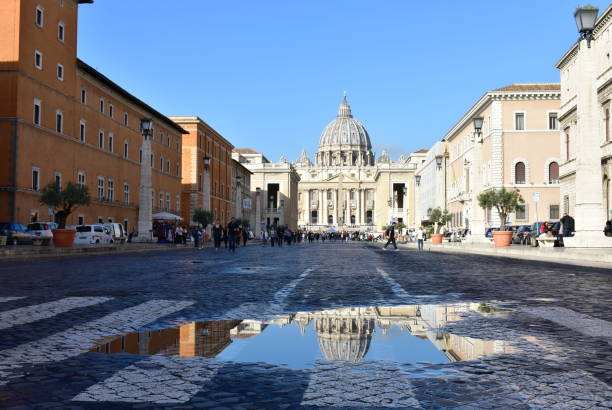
x,y
232,231
224,236
273,237
608,228
420,237
217,234
568,225
264,237
390,232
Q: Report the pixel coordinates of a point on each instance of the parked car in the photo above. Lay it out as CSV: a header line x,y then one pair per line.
x,y
117,232
521,235
42,230
16,233
92,235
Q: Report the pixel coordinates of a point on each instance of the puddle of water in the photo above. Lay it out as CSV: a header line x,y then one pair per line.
x,y
403,334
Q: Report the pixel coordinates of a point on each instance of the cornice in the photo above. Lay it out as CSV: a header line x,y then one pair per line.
x,y
525,95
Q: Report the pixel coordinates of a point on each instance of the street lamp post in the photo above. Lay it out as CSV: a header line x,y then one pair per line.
x,y
238,196
145,205
589,208
477,225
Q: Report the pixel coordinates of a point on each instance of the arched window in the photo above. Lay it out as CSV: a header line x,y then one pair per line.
x,y
607,124
519,173
553,173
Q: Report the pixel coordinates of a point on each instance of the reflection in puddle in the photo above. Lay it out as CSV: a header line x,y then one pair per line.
x,y
405,334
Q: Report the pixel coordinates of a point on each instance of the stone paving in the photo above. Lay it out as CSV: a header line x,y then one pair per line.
x,y
527,334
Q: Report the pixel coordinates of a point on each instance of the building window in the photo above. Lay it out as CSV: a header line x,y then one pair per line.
x,y
125,149
101,139
110,142
521,212
567,144
83,96
37,111
60,72
81,220
81,178
553,121
111,190
519,121
58,179
554,211
168,201
126,120
161,164
100,188
61,31
59,121
178,146
161,200
607,124
200,183
102,105
126,193
519,173
40,16
35,178
82,130
178,169
168,166
38,59
140,156
111,110
178,203
553,173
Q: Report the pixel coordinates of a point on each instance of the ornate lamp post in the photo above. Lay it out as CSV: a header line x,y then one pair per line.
x,y
145,206
477,222
585,21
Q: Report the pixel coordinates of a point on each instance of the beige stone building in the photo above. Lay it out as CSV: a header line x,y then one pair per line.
x,y
273,189
585,140
517,149
243,206
347,188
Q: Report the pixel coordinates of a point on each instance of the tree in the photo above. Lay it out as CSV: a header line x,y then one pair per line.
x,y
400,227
202,217
64,201
439,218
505,202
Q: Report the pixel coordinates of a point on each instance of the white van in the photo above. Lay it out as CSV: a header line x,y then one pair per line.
x,y
92,235
117,232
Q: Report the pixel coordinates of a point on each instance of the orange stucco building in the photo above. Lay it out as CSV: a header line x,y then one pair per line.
x,y
201,181
61,120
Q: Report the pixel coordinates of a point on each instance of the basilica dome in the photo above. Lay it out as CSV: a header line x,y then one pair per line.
x,y
345,130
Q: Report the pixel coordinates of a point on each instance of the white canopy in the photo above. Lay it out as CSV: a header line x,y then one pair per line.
x,y
166,216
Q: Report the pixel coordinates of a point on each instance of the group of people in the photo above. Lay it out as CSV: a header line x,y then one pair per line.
x,y
419,235
231,235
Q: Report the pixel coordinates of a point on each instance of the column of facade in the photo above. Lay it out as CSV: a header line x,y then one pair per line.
x,y
325,209
347,199
321,209
308,212
335,194
359,207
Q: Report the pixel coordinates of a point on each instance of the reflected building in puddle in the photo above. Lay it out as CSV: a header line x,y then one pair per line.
x,y
343,334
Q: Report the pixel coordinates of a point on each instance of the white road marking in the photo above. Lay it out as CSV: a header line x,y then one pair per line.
x,y
10,298
80,338
157,379
399,291
585,324
35,313
360,385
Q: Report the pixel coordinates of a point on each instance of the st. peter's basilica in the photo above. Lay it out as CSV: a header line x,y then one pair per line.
x,y
348,187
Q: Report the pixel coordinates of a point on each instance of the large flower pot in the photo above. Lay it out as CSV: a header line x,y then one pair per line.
x,y
63,238
436,238
502,238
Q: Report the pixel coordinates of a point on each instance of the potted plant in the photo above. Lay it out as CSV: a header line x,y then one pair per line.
x,y
439,218
505,202
64,202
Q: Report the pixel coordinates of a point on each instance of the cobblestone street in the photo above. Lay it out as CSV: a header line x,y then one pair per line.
x,y
308,325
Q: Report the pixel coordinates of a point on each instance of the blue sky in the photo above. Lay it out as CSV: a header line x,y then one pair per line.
x,y
269,75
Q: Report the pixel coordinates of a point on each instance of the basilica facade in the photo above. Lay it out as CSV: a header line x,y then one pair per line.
x,y
347,187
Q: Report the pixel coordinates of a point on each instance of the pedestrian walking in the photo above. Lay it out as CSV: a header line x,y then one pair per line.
x,y
390,232
217,234
420,237
568,225
233,231
273,237
264,237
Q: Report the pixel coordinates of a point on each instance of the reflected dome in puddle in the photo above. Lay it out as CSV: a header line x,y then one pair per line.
x,y
404,334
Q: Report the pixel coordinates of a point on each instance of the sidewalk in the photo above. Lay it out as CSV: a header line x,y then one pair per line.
x,y
29,252
598,258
